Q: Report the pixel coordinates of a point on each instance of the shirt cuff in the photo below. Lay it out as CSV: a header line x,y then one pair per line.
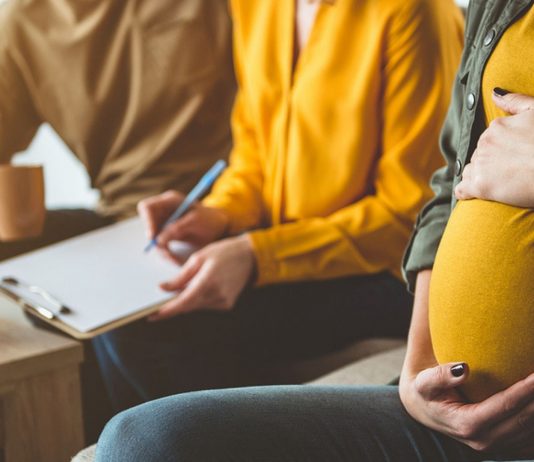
x,y
267,269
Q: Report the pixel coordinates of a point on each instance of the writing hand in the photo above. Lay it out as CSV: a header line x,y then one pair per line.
x,y
212,278
199,226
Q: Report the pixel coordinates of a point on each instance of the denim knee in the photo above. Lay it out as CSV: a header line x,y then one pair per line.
x,y
173,429
121,439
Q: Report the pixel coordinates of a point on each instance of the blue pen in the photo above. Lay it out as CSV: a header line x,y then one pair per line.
x,y
202,186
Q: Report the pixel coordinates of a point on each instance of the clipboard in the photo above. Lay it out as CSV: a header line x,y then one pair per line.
x,y
88,285
60,325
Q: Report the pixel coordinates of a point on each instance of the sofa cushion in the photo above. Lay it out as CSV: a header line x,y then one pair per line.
x,y
304,371
87,455
378,369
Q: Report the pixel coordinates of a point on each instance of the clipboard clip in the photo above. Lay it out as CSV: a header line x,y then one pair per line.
x,y
59,308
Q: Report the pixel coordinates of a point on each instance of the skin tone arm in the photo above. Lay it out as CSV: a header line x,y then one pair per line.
x,y
502,166
503,422
216,274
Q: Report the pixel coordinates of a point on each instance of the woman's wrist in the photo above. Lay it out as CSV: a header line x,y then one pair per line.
x,y
406,394
222,219
245,250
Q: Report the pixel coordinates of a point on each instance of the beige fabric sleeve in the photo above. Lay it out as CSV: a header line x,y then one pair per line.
x,y
19,119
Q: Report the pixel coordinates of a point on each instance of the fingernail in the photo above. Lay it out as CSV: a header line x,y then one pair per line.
x,y
500,92
458,370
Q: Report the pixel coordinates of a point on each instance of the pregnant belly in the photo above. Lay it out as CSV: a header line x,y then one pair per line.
x,y
482,295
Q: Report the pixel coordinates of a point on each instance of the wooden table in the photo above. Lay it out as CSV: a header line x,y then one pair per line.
x,y
40,399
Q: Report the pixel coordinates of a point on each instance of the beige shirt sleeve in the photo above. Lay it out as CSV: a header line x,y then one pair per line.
x,y
18,117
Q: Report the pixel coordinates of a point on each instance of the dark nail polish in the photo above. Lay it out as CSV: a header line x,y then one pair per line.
x,y
500,92
458,370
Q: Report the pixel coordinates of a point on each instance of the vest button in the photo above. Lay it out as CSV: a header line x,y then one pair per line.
x,y
488,39
471,100
458,167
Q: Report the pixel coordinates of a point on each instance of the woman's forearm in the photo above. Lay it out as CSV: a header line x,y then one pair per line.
x,y
419,354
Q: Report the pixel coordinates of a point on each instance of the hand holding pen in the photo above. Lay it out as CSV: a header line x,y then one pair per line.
x,y
214,276
196,224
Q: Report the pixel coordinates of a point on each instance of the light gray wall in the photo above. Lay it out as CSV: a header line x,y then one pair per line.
x,y
66,181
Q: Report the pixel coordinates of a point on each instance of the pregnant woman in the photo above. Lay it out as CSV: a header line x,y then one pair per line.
x,y
488,141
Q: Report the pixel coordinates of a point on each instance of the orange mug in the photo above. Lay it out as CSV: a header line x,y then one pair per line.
x,y
22,202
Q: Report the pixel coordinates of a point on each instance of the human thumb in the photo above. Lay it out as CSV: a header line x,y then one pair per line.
x,y
513,103
432,382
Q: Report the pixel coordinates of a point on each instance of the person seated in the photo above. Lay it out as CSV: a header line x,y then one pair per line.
x,y
488,142
141,92
335,127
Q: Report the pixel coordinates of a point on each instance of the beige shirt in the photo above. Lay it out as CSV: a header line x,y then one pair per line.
x,y
140,90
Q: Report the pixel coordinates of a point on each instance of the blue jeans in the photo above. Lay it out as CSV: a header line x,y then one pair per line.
x,y
269,325
277,424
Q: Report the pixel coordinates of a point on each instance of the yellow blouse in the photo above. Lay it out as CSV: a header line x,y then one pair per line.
x,y
332,158
481,293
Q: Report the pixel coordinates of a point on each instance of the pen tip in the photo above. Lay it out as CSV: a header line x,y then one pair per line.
x,y
151,244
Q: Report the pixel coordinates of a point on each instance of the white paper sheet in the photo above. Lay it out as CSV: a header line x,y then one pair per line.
x,y
102,276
